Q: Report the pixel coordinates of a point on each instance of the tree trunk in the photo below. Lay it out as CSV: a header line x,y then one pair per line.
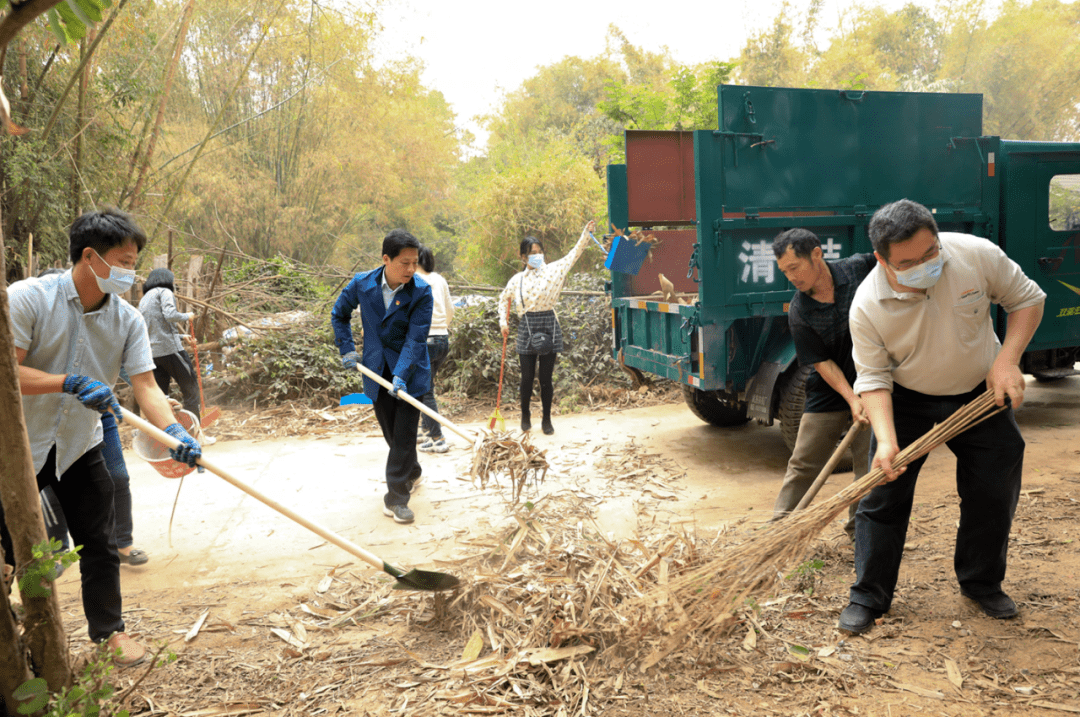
x,y
178,49
43,632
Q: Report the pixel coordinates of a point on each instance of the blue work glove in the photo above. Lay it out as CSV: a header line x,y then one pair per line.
x,y
350,360
189,451
93,394
399,385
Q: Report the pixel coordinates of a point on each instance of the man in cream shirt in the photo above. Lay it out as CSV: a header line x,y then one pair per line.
x,y
924,345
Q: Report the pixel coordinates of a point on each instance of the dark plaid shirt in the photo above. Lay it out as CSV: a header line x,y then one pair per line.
x,y
821,331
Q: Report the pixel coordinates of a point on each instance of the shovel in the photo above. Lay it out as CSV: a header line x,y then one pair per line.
x,y
497,417
412,580
446,422
830,466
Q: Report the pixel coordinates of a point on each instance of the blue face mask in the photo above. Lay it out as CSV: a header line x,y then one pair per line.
x,y
118,281
922,276
536,260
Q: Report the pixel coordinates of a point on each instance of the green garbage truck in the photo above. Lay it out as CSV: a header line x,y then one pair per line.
x,y
826,160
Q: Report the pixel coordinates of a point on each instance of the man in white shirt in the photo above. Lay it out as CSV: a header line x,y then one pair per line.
x,y
73,333
924,345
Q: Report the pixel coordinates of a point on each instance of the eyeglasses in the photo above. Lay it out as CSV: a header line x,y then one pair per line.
x,y
912,263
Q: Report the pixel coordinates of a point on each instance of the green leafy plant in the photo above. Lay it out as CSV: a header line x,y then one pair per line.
x,y
91,695
45,566
805,576
70,19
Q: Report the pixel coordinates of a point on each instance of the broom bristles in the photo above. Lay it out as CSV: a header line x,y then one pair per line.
x,y
707,596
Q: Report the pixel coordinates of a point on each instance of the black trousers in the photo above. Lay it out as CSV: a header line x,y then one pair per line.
x,y
989,463
547,386
398,421
178,368
85,492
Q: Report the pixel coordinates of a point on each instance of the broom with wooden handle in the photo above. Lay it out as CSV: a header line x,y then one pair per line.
x,y
704,600
411,580
823,476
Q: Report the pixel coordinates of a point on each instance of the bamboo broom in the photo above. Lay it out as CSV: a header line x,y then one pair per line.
x,y
705,599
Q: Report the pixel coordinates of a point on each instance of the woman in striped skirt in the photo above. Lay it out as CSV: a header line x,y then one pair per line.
x,y
534,293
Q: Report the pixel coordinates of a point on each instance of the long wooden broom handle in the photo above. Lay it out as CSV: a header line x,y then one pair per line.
x,y
324,533
446,422
830,466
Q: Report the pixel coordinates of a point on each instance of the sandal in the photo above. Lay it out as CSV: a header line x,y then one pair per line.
x,y
125,651
135,557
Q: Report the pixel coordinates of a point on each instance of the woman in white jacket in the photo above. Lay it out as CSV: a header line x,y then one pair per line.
x,y
534,292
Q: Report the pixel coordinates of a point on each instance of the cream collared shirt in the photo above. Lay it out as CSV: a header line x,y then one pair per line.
x,y
941,343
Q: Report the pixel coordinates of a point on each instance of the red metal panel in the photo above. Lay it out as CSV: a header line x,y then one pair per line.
x,y
670,257
660,178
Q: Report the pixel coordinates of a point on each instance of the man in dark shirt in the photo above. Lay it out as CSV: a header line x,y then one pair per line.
x,y
818,318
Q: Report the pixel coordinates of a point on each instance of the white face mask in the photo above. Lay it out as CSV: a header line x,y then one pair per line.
x,y
118,281
922,276
536,260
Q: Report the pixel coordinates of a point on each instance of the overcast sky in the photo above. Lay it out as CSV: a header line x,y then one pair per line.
x,y
475,50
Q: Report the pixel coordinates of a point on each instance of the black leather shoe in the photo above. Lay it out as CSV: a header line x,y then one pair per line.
x,y
857,618
526,423
997,605
548,428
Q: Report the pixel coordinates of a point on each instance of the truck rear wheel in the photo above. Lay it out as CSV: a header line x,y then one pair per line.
x,y
714,407
792,402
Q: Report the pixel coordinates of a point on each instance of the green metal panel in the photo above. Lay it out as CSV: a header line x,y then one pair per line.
x,y
618,214
1050,257
800,148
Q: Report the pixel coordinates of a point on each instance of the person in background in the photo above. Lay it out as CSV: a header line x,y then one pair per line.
x,y
534,292
438,345
922,328
171,362
395,310
72,336
818,318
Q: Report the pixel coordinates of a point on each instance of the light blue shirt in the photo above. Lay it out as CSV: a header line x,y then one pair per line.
x,y
48,321
158,307
388,293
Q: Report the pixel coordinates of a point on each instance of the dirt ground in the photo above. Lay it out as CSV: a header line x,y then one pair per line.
x,y
265,618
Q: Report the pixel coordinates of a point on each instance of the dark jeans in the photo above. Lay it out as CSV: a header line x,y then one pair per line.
x,y
85,492
178,368
55,522
989,463
437,348
547,386
398,421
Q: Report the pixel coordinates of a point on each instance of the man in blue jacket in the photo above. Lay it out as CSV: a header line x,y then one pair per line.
x,y
395,307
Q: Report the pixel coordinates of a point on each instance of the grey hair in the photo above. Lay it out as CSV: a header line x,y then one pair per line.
x,y
898,222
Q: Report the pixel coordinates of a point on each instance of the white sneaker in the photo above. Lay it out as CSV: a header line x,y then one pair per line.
x,y
432,446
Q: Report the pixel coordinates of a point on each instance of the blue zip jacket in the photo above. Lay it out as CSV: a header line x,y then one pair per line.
x,y
394,337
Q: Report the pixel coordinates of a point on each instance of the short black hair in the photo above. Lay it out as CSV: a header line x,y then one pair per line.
x,y
802,242
397,240
527,244
160,278
426,259
102,230
898,222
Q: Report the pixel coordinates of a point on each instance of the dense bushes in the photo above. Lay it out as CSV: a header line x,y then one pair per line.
x,y
303,364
